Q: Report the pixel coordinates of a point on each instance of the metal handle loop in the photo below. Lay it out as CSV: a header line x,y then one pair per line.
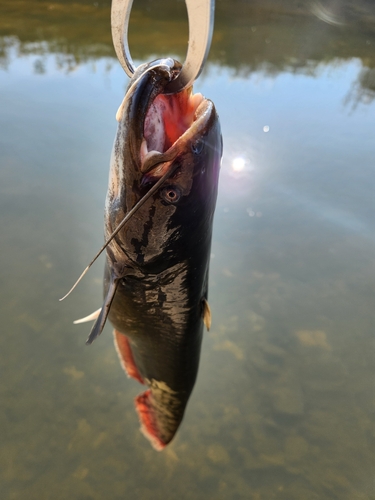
x,y
201,22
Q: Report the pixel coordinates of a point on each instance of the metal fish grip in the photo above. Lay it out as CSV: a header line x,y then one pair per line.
x,y
201,23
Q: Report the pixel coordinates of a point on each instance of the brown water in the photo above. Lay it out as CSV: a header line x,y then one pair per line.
x,y
283,406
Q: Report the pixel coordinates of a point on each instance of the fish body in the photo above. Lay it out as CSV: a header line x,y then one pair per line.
x,y
156,272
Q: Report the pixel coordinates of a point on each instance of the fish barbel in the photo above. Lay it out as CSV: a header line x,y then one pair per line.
x,y
156,272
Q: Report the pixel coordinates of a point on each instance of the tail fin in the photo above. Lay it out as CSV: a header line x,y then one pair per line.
x,y
147,417
160,412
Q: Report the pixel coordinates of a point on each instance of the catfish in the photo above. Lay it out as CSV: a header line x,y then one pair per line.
x,y
163,183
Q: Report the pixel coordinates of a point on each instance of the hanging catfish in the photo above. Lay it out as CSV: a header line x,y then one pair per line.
x,y
163,179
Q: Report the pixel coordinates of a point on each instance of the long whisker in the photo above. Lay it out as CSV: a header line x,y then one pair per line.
x,y
128,216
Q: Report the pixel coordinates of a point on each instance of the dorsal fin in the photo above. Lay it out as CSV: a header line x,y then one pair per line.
x,y
206,313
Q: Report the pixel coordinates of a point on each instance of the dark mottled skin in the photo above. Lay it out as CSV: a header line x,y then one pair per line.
x,y
160,259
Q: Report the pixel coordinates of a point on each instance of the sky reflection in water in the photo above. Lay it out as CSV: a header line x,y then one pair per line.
x,y
282,407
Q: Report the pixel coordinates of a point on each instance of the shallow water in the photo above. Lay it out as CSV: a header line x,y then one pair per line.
x,y
283,405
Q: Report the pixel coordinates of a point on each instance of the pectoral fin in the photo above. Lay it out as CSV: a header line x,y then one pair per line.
x,y
206,314
102,318
90,317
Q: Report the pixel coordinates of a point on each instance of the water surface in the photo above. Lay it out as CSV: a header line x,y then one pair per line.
x,y
283,405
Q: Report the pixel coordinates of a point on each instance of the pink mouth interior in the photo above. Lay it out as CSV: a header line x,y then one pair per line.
x,y
168,117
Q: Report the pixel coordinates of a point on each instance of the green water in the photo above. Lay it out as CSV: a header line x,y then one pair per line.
x,y
283,406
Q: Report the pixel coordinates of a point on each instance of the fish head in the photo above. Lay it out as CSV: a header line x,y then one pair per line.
x,y
160,134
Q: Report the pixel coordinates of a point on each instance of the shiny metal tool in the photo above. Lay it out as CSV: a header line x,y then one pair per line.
x,y
201,22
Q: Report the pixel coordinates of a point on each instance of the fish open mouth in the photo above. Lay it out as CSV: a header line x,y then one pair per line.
x,y
168,117
172,120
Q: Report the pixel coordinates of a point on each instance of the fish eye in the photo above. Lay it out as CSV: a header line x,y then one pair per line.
x,y
170,194
197,146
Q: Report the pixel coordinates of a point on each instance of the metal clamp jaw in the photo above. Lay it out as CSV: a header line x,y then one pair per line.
x,y
201,22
